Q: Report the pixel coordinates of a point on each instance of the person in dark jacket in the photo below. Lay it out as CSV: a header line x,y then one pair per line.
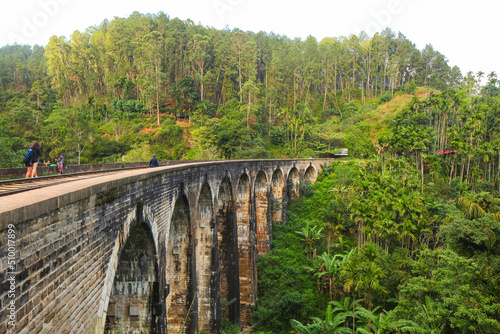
x,y
154,162
36,152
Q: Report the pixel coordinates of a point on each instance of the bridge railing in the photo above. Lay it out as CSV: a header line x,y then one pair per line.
x,y
20,172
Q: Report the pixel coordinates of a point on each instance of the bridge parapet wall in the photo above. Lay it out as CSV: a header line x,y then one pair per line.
x,y
20,172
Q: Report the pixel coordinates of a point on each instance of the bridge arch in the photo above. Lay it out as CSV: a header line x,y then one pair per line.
x,y
135,290
277,187
310,174
245,248
261,213
293,181
132,275
204,231
180,276
227,256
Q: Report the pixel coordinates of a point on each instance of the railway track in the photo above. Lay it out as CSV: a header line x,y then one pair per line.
x,y
9,187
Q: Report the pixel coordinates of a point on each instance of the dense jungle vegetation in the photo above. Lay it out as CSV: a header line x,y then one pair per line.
x,y
123,87
369,248
405,238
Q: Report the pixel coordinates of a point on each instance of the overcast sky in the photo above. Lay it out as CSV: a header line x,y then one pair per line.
x,y
464,31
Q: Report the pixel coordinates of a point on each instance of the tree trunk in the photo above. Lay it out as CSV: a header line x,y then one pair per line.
x,y
270,120
462,170
294,93
157,101
451,172
324,100
335,79
79,152
382,158
385,73
468,169
368,77
437,142
201,81
239,77
362,95
492,171
249,106
422,161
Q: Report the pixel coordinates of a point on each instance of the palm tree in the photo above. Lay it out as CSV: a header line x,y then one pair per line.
x,y
429,317
424,231
385,322
385,227
371,259
476,206
311,234
351,275
333,324
407,233
330,271
362,214
313,328
332,217
330,325
408,208
344,308
370,283
341,242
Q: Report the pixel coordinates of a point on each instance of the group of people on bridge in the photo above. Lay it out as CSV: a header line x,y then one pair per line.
x,y
32,159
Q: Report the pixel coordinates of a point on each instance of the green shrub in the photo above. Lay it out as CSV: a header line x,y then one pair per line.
x,y
386,97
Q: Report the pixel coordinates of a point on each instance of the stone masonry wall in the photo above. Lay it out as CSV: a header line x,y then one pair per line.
x,y
130,308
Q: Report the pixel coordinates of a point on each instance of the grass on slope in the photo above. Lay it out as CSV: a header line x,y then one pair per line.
x,y
379,118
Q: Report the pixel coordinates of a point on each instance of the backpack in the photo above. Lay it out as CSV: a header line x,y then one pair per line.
x,y
27,156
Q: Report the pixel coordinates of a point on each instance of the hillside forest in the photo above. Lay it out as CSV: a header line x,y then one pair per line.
x,y
403,237
131,87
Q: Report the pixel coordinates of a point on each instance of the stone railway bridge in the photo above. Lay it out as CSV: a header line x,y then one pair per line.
x,y
163,250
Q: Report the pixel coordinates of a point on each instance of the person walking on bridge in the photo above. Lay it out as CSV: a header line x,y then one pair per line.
x,y
27,163
60,163
154,162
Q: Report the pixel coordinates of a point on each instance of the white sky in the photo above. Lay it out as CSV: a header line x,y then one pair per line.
x,y
461,30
